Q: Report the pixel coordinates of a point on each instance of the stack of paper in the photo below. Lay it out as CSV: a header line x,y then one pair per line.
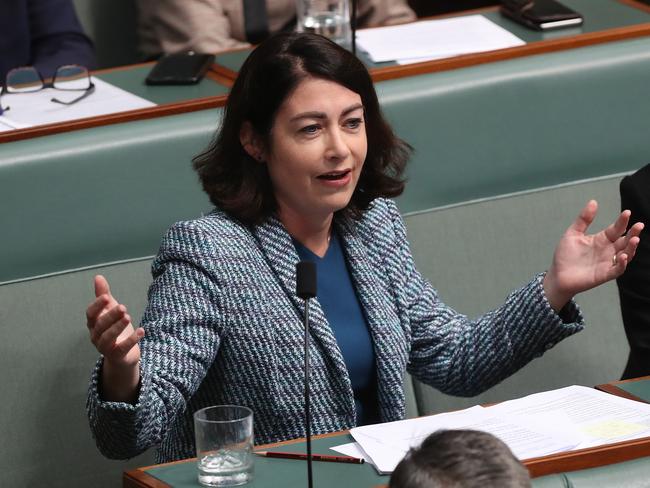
x,y
570,418
432,39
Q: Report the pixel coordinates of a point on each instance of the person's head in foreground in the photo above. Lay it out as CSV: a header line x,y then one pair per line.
x,y
302,136
460,459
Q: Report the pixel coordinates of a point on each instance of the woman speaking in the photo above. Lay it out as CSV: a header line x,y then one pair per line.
x,y
304,166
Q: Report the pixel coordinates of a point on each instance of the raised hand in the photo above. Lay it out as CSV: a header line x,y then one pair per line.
x,y
583,261
112,333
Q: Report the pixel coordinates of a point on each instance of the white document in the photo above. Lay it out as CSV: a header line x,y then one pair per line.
x,y
7,124
433,39
386,444
545,423
36,108
600,418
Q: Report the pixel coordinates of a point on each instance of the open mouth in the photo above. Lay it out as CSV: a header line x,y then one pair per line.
x,y
334,175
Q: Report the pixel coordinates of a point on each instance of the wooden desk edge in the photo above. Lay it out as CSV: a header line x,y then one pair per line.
x,y
592,457
138,478
615,390
118,117
226,76
467,60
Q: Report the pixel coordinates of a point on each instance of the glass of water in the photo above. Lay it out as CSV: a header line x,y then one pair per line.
x,y
224,445
329,18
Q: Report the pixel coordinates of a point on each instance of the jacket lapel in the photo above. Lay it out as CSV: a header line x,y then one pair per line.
x,y
384,323
278,248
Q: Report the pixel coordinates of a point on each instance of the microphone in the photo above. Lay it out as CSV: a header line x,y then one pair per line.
x,y
306,280
306,289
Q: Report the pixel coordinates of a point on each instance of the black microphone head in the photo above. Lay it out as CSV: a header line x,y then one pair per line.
x,y
306,279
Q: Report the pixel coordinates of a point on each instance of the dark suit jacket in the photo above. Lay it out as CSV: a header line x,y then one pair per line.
x,y
42,33
634,284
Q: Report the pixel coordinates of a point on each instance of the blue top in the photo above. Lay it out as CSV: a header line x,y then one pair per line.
x,y
339,301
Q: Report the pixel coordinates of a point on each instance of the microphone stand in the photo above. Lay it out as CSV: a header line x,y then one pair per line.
x,y
306,289
307,413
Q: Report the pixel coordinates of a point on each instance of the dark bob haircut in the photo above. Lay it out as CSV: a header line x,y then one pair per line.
x,y
240,185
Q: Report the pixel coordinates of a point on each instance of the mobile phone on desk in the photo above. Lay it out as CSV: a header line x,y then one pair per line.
x,y
185,68
541,14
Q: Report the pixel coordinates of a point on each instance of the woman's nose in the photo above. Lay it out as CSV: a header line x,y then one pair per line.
x,y
337,147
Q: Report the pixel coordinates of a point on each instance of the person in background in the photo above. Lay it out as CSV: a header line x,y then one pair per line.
x,y
634,285
45,34
460,459
210,26
304,166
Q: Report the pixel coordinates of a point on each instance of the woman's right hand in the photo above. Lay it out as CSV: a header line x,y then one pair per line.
x,y
114,337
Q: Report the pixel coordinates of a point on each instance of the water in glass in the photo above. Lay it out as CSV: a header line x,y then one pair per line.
x,y
225,468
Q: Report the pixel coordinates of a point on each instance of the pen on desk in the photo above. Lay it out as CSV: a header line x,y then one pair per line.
x,y
314,457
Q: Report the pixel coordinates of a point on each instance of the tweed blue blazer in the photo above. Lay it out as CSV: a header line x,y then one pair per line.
x,y
224,326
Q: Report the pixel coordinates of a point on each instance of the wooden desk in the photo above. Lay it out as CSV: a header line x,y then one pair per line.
x,y
637,389
211,92
182,474
605,21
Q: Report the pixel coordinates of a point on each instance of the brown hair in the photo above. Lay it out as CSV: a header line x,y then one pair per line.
x,y
460,458
240,185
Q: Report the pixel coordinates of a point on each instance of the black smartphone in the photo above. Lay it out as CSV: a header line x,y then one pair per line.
x,y
179,69
541,14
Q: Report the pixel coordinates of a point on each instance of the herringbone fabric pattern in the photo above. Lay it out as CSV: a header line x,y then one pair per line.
x,y
223,326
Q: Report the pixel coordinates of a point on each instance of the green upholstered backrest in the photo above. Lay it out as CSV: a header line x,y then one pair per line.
x,y
45,363
522,124
476,253
101,195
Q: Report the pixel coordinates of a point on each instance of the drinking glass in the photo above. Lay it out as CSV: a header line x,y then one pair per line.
x,y
329,18
224,445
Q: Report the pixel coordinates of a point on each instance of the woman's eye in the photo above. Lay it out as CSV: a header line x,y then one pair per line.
x,y
353,123
310,129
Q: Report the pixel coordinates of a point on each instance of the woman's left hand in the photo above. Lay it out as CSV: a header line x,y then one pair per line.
x,y
583,261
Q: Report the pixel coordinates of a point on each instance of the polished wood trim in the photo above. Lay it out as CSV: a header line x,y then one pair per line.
x,y
219,78
588,458
592,457
131,115
225,73
137,478
162,110
615,390
529,49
